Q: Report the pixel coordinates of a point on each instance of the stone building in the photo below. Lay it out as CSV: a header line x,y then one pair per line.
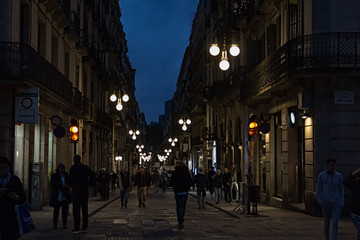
x,y
296,77
67,57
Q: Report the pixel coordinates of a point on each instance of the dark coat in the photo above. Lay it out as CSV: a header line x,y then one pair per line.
x,y
142,180
57,186
8,223
217,181
354,186
80,178
181,179
202,181
227,180
125,180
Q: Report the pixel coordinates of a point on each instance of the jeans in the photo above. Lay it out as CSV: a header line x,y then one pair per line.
x,y
201,194
64,212
331,211
80,200
217,194
124,194
356,220
180,207
236,186
227,194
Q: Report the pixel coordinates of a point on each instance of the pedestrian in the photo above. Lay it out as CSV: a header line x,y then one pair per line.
x,y
353,182
227,184
113,177
330,196
11,193
80,178
60,195
217,182
155,180
125,183
164,178
104,180
181,181
142,182
236,177
211,187
202,183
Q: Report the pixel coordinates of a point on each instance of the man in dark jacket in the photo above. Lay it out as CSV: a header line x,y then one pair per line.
x,y
125,183
80,178
202,183
142,181
353,182
181,181
227,184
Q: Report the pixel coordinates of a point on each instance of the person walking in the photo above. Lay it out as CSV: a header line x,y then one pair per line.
x,y
11,193
155,180
236,177
211,187
113,177
142,182
217,182
125,183
164,178
181,181
353,183
80,178
227,184
330,196
202,183
60,195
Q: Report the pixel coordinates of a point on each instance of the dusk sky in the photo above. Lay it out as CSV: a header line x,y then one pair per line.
x,y
158,33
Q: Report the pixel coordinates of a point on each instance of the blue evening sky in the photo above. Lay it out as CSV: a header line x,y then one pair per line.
x,y
158,33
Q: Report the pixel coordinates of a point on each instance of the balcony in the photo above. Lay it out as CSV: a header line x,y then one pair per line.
x,y
310,52
72,31
85,106
62,13
20,61
76,98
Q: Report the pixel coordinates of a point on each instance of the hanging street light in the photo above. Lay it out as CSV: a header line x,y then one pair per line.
x,y
133,134
184,123
173,141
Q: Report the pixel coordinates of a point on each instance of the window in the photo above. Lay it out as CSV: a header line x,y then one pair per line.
x,y
54,51
295,16
25,24
42,39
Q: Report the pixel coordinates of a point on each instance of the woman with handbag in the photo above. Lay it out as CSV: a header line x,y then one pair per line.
x,y
60,195
11,193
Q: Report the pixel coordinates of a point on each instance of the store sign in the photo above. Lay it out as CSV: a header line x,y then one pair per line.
x,y
27,105
344,97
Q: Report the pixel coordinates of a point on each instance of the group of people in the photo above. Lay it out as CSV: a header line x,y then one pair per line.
x,y
222,184
73,187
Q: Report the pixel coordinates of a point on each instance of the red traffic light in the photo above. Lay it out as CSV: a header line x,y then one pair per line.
x,y
74,131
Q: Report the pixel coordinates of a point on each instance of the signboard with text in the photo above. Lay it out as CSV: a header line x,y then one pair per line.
x,y
27,105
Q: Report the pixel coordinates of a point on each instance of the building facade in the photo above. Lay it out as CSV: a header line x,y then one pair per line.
x,y
73,54
296,77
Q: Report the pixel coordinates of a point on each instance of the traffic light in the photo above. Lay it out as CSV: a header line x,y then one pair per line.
x,y
74,131
252,125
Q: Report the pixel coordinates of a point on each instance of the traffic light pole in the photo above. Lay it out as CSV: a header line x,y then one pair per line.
x,y
74,148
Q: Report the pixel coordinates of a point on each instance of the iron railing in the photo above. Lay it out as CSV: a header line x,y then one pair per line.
x,y
20,60
322,50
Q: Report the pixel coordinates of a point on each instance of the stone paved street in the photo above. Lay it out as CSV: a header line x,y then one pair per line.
x,y
158,221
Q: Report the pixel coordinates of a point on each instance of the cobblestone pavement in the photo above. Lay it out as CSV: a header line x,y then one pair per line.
x,y
158,221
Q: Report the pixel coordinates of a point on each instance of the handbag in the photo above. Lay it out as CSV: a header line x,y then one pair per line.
x,y
24,218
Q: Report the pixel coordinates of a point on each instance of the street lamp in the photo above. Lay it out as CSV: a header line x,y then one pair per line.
x,y
168,151
173,141
224,63
117,159
114,98
133,134
140,148
184,122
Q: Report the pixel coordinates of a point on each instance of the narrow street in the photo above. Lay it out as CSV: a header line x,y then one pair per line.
x,y
158,221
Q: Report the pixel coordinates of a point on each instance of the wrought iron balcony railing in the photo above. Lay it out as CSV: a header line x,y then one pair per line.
x,y
20,60
322,50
